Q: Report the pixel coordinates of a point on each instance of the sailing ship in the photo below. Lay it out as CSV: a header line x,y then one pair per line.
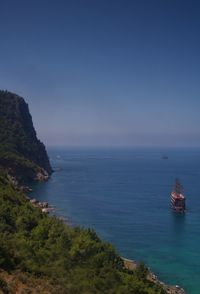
x,y
177,197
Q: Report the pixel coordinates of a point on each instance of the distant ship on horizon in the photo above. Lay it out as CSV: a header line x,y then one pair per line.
x,y
164,157
177,197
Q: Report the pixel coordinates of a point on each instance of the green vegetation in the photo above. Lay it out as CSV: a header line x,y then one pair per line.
x,y
74,260
20,150
41,254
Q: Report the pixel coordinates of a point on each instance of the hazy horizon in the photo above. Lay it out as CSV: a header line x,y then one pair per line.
x,y
134,141
105,73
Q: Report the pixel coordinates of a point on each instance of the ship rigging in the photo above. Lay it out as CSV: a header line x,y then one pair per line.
x,y
177,197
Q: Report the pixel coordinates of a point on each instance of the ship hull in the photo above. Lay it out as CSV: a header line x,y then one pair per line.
x,y
178,202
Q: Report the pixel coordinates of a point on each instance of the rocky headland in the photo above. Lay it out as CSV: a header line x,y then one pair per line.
x,y
22,154
40,253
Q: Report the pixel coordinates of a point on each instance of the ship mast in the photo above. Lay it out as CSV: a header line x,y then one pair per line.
x,y
177,197
178,188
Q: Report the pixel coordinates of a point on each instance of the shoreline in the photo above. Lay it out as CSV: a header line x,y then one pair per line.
x,y
170,289
128,263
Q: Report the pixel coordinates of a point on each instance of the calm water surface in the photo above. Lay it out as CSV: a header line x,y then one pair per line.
x,y
125,196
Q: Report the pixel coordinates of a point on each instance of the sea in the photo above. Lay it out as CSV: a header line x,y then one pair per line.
x,y
124,194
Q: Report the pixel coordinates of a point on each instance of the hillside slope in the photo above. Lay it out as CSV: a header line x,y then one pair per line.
x,y
39,253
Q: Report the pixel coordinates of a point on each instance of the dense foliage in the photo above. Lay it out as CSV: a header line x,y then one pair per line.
x,y
20,150
73,260
38,253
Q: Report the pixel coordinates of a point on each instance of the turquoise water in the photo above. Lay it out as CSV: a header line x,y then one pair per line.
x,y
125,196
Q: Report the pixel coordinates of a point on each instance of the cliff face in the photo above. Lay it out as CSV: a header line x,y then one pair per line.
x,y
38,253
21,153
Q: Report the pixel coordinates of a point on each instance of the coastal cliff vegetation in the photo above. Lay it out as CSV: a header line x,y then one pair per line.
x,y
37,247
40,253
21,153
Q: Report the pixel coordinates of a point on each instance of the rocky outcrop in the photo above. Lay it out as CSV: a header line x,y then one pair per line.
x,y
21,152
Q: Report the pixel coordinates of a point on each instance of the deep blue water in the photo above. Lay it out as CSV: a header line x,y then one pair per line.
x,y
125,196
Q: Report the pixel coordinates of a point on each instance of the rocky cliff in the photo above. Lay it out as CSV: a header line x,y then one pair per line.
x,y
21,153
38,253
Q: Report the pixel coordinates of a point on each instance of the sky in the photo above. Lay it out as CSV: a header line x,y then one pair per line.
x,y
105,72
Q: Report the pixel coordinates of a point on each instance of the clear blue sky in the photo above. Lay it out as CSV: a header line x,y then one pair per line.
x,y
105,72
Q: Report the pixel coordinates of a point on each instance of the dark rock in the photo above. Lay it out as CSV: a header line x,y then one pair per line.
x,y
21,153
